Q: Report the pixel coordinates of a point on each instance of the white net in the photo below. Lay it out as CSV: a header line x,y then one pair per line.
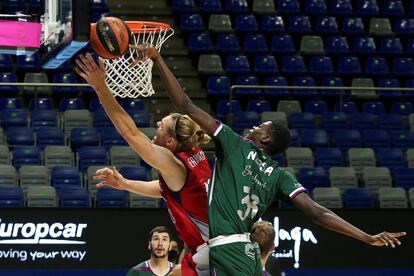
x,y
132,82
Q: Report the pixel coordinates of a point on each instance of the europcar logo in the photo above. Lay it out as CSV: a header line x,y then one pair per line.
x,y
41,233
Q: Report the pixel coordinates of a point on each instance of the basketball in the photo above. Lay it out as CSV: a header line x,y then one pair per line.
x,y
110,37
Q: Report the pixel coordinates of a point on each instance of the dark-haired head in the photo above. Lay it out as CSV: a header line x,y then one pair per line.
x,y
272,137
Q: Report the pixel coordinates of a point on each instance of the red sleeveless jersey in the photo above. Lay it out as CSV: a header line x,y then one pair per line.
x,y
191,200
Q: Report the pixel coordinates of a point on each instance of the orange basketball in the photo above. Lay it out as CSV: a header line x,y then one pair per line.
x,y
110,37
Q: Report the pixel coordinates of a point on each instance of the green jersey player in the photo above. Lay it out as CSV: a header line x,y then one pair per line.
x,y
244,183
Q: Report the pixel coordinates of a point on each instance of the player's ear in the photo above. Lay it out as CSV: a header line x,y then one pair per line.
x,y
149,245
266,138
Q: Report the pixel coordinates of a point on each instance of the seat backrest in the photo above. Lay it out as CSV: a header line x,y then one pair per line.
x,y
343,177
376,177
392,197
123,156
365,93
33,175
380,26
41,196
311,44
8,175
210,64
76,118
58,156
220,23
289,106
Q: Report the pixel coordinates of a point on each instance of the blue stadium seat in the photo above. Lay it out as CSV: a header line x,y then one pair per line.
x,y
362,121
247,92
390,121
337,45
41,103
83,136
288,6
101,119
26,155
20,136
223,108
69,91
404,26
302,120
300,24
280,159
403,177
393,8
389,83
227,44
347,138
6,63
374,139
111,137
200,43
333,121
100,6
218,86
358,198
391,46
376,66
403,66
282,44
237,64
29,63
245,120
349,65
332,82
402,139
347,107
410,10
11,103
191,23
364,45
71,103
50,136
135,173
341,7
353,25
315,6
272,24
95,105
265,65
293,65
321,65
326,25
329,157
11,196
373,108
390,158
304,82
210,6
402,108
186,6
65,176
314,138
409,49
258,106
410,84
44,118
311,178
246,23
141,118
108,197
255,44
9,77
236,6
91,156
294,138
276,81
368,7
316,107
74,197
133,104
16,117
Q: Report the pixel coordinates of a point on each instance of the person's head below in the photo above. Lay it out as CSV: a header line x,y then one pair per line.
x,y
174,252
159,242
263,233
271,137
179,132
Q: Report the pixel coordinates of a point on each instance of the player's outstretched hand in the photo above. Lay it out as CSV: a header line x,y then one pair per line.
x,y
111,178
88,69
145,51
387,239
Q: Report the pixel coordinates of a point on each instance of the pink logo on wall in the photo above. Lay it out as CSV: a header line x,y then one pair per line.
x,y
20,34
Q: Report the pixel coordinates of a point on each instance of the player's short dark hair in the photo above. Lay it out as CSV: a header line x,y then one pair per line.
x,y
280,138
160,229
264,234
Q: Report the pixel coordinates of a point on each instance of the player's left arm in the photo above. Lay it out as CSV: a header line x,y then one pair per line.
x,y
330,220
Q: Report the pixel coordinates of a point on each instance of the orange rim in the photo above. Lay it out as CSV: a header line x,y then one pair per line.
x,y
138,27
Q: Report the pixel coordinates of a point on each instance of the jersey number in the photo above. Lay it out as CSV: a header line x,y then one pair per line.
x,y
251,201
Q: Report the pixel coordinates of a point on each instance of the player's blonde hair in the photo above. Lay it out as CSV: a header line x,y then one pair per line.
x,y
264,234
187,132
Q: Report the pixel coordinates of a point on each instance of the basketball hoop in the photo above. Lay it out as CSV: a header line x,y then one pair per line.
x,y
125,81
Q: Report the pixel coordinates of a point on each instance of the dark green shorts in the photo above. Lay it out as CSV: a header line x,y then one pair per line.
x,y
240,258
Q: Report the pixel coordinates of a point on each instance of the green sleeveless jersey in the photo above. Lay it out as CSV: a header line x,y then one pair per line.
x,y
244,183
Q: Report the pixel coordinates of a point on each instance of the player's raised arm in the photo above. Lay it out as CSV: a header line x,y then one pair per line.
x,y
330,220
179,98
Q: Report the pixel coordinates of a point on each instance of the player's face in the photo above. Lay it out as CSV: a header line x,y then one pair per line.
x,y
160,245
257,132
162,133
